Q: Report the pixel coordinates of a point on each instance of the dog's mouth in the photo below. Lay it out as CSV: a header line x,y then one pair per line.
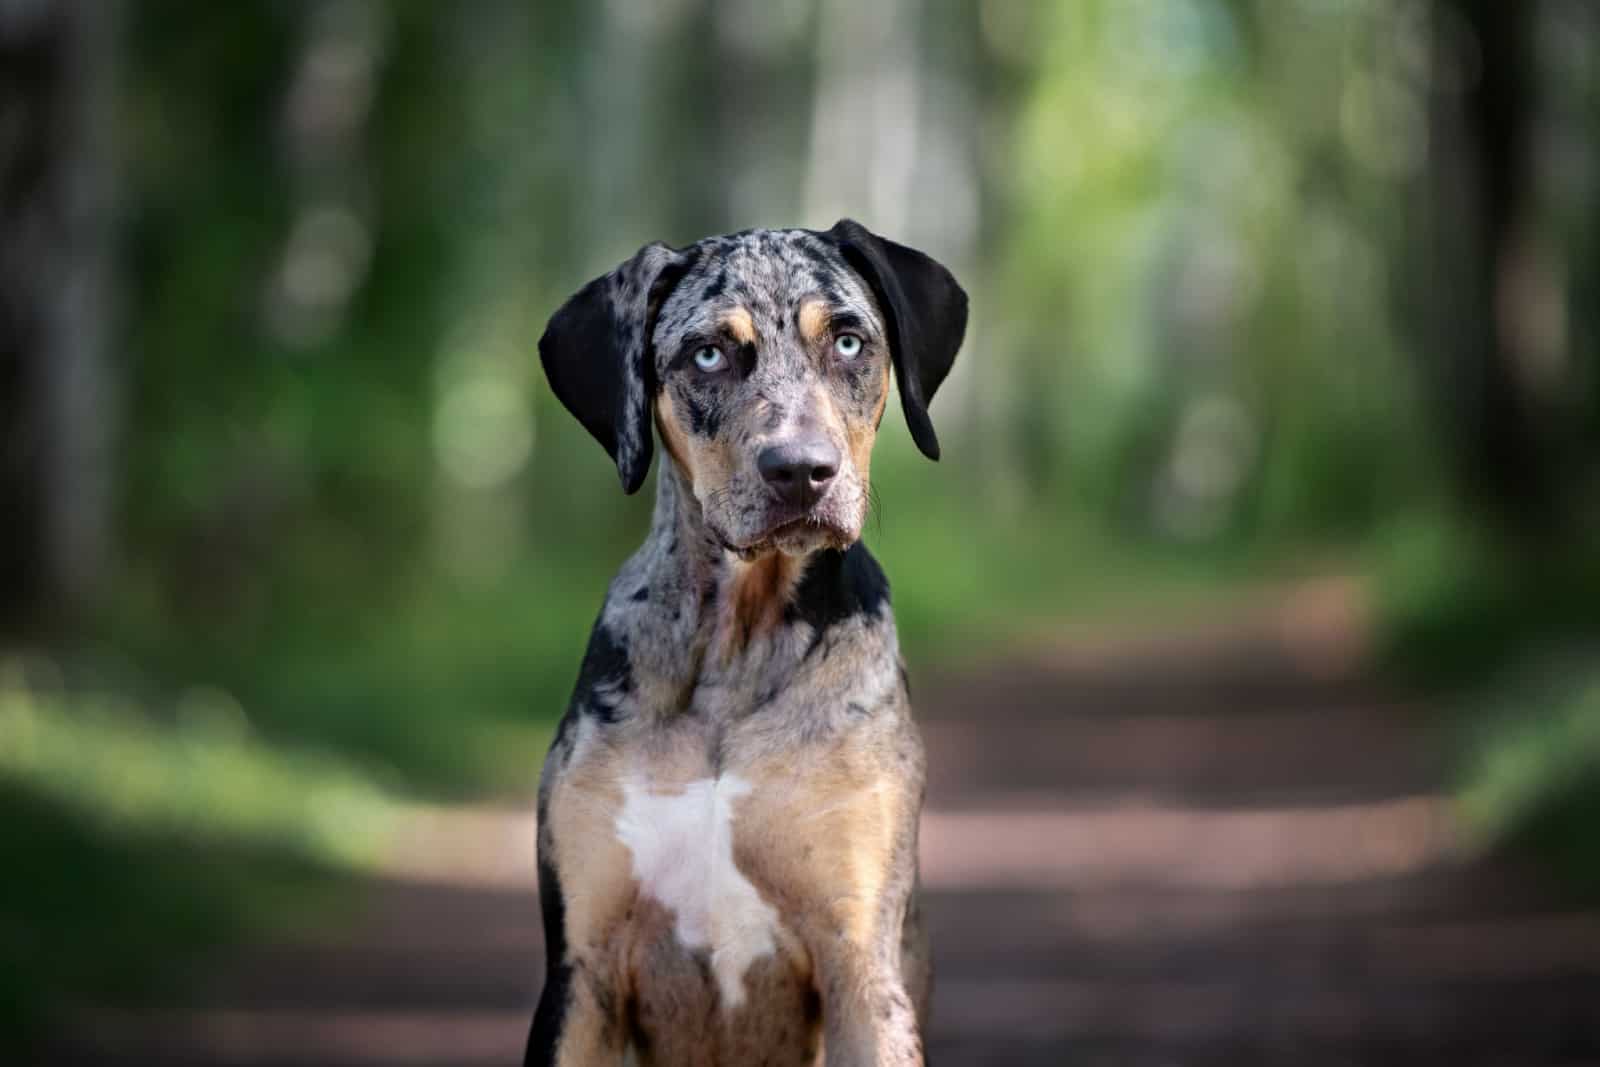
x,y
795,533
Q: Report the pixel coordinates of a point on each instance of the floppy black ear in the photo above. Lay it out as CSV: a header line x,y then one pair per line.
x,y
596,354
926,310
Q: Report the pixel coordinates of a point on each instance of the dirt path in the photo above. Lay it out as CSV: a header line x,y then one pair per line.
x,y
1214,845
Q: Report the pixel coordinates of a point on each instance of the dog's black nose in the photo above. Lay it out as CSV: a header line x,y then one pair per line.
x,y
799,471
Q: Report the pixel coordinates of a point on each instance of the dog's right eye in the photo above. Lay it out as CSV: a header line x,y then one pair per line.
x,y
710,358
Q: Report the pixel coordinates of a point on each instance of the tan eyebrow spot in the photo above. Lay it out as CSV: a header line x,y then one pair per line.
x,y
739,323
813,320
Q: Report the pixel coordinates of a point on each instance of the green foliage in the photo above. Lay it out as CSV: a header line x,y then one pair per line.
x,y
1531,764
199,775
1505,636
1460,603
965,585
352,504
1219,355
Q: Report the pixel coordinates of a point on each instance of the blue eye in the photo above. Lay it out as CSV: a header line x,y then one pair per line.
x,y
709,358
848,345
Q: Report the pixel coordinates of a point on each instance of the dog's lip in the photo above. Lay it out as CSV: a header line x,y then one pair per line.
x,y
789,523
788,526
793,522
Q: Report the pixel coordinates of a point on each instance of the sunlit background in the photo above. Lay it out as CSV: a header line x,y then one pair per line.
x,y
1282,381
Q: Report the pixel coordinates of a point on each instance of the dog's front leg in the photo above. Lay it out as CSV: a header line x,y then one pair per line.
x,y
868,1018
577,1023
574,1025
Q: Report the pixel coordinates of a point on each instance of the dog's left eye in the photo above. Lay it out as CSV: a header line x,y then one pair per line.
x,y
709,358
848,345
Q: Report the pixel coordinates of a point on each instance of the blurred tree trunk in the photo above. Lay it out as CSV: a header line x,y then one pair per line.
x,y
866,115
1479,203
54,386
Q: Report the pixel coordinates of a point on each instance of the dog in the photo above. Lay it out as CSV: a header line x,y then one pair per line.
x,y
727,830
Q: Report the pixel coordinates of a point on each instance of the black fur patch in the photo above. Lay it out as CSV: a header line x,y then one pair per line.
x,y
846,321
545,1035
716,286
704,415
598,359
605,663
558,744
839,586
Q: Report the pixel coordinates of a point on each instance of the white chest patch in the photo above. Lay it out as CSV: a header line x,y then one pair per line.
x,y
682,845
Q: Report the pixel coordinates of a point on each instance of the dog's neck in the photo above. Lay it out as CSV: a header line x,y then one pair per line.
x,y
740,597
692,610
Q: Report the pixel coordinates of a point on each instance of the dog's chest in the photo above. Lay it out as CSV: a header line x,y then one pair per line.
x,y
704,866
681,839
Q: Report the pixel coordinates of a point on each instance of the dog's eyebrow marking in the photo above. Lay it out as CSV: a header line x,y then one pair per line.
x,y
716,285
740,326
682,846
845,321
813,319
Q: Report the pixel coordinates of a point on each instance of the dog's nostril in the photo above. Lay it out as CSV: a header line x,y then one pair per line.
x,y
775,466
823,472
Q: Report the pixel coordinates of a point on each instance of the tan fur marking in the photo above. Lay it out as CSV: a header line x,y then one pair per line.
x,y
753,597
846,838
861,436
703,462
826,412
672,435
814,320
739,323
581,813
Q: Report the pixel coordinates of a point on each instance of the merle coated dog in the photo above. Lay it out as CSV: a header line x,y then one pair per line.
x,y
728,814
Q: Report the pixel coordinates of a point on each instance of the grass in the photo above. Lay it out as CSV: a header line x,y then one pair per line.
x,y
94,912
136,844
199,776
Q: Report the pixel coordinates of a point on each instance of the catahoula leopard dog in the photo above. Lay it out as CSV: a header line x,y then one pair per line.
x,y
728,814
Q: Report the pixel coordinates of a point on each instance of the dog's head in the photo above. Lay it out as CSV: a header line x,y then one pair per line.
x,y
765,359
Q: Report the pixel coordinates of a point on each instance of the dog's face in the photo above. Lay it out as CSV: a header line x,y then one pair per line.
x,y
763,360
772,371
